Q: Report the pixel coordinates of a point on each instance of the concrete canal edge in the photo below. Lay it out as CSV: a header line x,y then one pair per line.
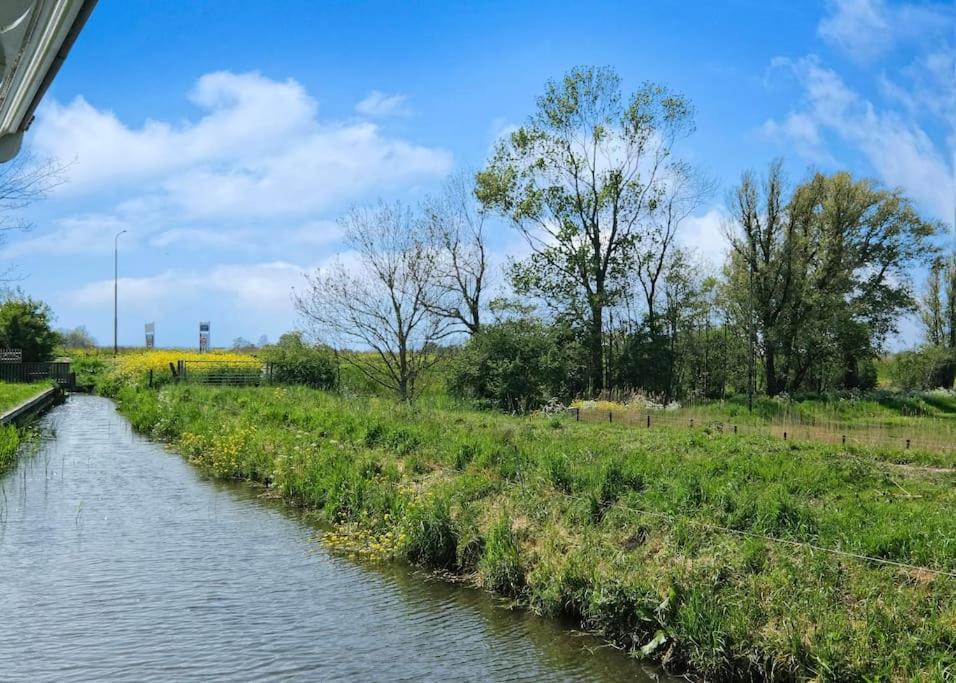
x,y
24,412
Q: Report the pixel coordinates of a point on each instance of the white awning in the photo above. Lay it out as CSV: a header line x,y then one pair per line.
x,y
35,37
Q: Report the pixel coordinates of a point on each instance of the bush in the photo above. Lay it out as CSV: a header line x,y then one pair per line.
x,y
518,365
930,367
25,325
294,361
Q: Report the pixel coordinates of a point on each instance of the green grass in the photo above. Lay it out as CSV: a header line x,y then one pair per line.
x,y
12,395
614,526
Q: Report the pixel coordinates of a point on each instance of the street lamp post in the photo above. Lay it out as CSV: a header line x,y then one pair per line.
x,y
116,291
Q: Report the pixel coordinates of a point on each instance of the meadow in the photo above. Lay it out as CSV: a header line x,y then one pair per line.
x,y
727,556
905,426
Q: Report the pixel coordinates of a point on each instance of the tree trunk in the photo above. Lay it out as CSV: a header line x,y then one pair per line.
x,y
770,370
596,344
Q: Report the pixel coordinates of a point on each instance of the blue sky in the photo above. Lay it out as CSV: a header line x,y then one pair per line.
x,y
227,137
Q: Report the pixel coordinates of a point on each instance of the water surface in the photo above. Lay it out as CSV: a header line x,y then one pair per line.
x,y
119,561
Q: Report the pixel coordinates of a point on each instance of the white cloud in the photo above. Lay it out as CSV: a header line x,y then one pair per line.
x,y
868,29
860,27
258,149
379,105
900,151
89,234
258,287
237,239
705,235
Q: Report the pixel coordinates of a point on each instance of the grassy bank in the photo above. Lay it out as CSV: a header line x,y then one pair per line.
x,y
12,395
613,526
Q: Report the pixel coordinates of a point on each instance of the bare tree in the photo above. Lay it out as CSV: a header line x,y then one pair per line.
x,y
23,181
683,191
456,227
380,309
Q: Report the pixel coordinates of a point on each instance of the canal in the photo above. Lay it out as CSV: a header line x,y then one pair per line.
x,y
119,561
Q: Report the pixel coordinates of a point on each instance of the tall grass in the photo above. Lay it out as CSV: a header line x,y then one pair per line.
x,y
613,526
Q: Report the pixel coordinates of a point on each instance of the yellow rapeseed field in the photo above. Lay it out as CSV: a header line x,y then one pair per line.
x,y
133,368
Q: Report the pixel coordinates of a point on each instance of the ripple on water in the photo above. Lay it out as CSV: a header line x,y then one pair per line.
x,y
120,562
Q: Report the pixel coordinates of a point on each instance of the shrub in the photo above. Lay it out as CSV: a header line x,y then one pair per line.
x,y
518,365
25,325
294,361
930,367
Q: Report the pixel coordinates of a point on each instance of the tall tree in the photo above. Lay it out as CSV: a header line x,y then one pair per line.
x,y
380,309
456,228
950,294
762,238
932,306
681,195
580,180
825,271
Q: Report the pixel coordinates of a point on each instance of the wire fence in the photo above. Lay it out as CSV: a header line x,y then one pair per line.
x,y
224,372
914,433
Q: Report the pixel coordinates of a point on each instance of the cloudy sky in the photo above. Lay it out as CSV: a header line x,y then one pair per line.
x,y
227,138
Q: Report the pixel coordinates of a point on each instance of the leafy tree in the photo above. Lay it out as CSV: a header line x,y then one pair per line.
x,y
950,309
822,275
929,367
77,338
25,325
294,361
518,365
582,181
931,311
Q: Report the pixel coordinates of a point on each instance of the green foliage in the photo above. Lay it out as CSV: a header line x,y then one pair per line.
x,y
9,442
10,396
818,277
294,361
584,220
500,565
517,365
25,325
90,367
929,367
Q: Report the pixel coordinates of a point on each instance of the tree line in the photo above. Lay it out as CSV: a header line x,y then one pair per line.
x,y
816,277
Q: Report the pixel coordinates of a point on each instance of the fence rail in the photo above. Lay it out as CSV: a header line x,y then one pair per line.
x,y
37,372
919,435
